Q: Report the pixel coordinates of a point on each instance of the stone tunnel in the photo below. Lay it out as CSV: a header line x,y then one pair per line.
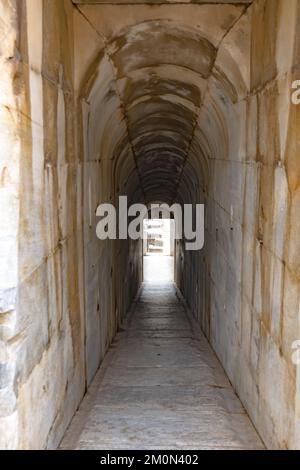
x,y
184,102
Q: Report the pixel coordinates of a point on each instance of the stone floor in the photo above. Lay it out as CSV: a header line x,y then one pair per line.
x,y
160,387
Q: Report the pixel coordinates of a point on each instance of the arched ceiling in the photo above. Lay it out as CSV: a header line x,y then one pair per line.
x,y
162,89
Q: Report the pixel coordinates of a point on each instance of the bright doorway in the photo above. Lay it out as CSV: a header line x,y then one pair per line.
x,y
158,250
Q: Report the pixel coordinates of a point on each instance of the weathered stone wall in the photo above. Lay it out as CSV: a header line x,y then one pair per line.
x,y
42,319
10,150
113,269
245,287
61,289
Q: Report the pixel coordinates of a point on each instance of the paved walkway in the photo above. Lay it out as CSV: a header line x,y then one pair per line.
x,y
160,387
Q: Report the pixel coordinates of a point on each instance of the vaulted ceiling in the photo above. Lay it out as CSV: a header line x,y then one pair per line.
x,y
163,87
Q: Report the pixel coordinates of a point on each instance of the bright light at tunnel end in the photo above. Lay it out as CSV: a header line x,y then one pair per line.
x,y
126,222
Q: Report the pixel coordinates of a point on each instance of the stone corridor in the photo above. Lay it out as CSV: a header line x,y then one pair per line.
x,y
181,102
160,387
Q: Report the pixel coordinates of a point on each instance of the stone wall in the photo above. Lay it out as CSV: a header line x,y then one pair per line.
x,y
245,287
10,149
61,296
43,323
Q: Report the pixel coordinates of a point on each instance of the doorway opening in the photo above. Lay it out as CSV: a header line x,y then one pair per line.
x,y
158,250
